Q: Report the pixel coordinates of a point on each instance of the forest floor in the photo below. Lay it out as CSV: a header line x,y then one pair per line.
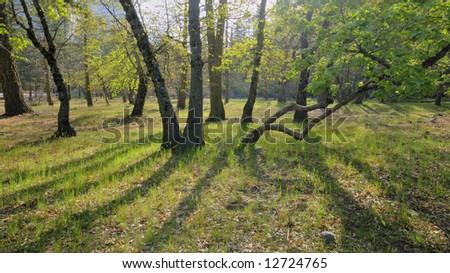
x,y
383,185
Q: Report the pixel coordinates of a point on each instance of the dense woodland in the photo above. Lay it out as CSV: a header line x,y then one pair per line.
x,y
219,60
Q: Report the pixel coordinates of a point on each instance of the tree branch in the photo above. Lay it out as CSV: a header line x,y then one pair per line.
x,y
369,55
256,134
434,59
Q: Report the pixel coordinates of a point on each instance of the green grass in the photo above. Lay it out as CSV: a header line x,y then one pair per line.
x,y
385,187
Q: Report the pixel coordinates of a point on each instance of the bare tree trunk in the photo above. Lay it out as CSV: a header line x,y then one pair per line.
x,y
124,95
171,128
139,102
104,90
282,86
227,72
181,103
247,115
227,87
302,116
193,132
87,80
215,52
439,95
14,102
48,84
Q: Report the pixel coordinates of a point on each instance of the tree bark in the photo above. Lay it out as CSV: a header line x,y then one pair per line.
x,y
139,102
227,87
171,128
439,95
87,80
193,133
215,52
14,101
181,103
282,86
48,91
247,115
301,116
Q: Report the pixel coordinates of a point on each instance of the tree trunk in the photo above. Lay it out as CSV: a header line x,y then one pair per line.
x,y
193,133
139,102
227,72
131,98
64,127
247,115
227,87
215,52
104,90
124,95
171,128
302,116
439,95
87,80
282,91
14,102
48,91
181,103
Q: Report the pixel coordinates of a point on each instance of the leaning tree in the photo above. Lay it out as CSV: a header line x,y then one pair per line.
x,y
48,49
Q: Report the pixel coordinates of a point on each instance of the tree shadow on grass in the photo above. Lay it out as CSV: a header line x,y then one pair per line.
x,y
366,108
63,226
363,229
44,191
414,199
187,205
57,169
362,226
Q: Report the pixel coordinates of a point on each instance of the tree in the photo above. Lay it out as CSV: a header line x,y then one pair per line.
x,y
181,103
302,116
193,132
49,52
215,52
247,115
171,129
391,66
14,102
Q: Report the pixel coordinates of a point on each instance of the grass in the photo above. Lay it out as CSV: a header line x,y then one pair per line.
x,y
382,185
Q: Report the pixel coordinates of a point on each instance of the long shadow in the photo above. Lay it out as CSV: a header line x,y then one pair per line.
x,y
186,206
34,143
362,225
363,230
89,165
74,163
82,161
413,199
85,219
76,190
366,108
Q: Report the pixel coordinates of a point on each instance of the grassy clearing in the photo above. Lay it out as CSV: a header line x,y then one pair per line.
x,y
385,189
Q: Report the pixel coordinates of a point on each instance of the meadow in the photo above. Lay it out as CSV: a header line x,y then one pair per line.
x,y
379,179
